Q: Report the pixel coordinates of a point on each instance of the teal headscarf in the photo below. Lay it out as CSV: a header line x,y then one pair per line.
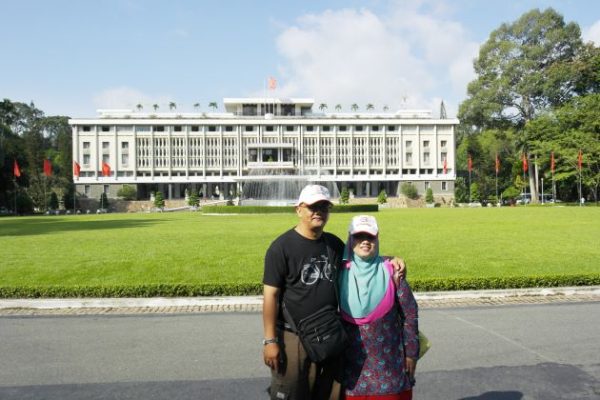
x,y
363,285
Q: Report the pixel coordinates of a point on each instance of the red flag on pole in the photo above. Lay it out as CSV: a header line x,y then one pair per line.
x,y
16,169
272,84
470,163
47,167
580,160
497,163
552,162
105,169
76,169
525,165
445,165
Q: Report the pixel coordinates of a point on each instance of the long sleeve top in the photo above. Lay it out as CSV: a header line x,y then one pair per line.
x,y
375,359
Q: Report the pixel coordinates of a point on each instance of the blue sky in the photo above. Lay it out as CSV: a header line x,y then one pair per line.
x,y
73,57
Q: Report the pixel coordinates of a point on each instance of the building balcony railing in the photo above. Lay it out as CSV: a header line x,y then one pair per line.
x,y
271,165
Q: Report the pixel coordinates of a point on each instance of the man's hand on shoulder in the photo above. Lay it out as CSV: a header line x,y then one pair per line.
x,y
399,269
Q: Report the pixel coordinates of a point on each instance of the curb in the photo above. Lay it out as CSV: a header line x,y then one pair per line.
x,y
254,303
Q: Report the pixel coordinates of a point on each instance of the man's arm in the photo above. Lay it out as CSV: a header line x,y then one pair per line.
x,y
270,311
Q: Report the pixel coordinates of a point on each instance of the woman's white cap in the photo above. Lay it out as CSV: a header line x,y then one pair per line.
x,y
363,223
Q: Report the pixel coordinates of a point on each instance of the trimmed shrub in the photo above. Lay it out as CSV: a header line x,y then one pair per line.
x,y
475,195
382,198
283,209
103,202
344,195
159,201
429,195
409,190
127,192
255,288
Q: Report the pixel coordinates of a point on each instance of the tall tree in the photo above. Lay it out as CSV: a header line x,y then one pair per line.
x,y
523,69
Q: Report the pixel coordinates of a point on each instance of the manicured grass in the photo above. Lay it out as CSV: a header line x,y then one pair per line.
x,y
191,248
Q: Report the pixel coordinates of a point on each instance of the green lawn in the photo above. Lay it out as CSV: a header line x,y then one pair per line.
x,y
191,248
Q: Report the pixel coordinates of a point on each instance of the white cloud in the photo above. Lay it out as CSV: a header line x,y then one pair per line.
x,y
127,98
592,33
355,56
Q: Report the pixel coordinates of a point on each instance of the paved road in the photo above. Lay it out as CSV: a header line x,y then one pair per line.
x,y
512,352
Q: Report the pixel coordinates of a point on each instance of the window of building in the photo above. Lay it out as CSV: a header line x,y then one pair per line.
x,y
106,188
310,128
426,158
87,190
358,128
391,128
342,128
269,128
249,109
86,159
159,128
444,185
249,128
289,128
443,156
408,158
325,128
287,155
269,155
105,158
105,146
408,144
195,128
124,145
375,128
212,128
229,128
86,128
105,128
443,143
177,128
252,155
288,109
427,185
124,159
425,144
86,145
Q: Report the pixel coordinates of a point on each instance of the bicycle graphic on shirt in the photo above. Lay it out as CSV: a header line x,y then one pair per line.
x,y
316,268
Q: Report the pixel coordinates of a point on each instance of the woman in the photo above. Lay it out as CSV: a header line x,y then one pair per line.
x,y
381,320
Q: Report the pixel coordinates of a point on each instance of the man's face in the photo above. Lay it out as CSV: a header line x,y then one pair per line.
x,y
314,216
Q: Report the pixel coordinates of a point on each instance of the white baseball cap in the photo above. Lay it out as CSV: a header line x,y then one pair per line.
x,y
363,223
312,194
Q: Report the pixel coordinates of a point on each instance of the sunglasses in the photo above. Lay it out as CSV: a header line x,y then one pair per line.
x,y
361,236
322,206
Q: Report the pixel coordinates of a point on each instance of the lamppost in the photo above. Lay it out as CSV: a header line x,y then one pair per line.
x,y
542,190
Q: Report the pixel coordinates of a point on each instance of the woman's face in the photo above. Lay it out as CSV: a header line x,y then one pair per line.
x,y
363,245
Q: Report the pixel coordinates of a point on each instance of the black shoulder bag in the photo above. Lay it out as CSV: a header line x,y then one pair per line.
x,y
322,333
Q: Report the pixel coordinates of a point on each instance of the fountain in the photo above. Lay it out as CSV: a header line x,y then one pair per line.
x,y
278,187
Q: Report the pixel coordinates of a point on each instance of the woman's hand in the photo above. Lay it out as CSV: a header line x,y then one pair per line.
x,y
411,367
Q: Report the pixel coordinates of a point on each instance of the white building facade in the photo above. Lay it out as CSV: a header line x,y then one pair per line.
x,y
216,153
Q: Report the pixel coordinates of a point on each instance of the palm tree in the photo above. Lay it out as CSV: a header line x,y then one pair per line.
x,y
338,107
213,105
172,105
139,107
386,108
323,107
196,106
370,107
354,107
155,106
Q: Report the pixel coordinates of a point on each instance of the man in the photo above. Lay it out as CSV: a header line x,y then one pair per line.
x,y
301,272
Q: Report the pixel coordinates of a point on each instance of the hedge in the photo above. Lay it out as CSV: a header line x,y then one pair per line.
x,y
345,208
255,288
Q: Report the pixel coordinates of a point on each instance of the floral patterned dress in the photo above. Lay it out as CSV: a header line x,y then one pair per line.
x,y
374,360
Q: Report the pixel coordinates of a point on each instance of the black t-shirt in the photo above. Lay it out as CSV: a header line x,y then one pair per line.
x,y
301,268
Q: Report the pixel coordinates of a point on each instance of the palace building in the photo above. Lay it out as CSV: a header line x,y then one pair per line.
x,y
262,139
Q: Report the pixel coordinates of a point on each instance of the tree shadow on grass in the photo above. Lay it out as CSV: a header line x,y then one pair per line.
x,y
46,225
